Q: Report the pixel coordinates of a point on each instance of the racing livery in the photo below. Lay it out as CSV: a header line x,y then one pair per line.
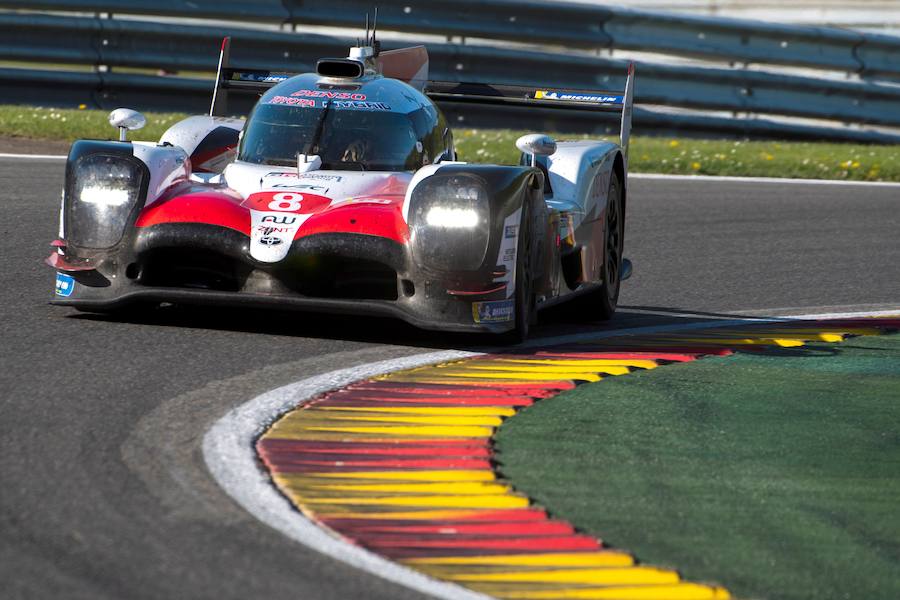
x,y
341,192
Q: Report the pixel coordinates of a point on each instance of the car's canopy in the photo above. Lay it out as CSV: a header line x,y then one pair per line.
x,y
374,123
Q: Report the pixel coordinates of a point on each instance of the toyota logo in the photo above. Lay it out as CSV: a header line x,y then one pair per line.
x,y
270,241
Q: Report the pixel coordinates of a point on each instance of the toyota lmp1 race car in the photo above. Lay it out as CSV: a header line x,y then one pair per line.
x,y
341,193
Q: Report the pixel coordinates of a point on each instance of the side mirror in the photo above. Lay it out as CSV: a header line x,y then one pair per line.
x,y
125,120
536,144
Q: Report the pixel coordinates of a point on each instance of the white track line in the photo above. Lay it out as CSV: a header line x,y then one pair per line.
x,y
650,176
231,458
228,449
34,156
726,179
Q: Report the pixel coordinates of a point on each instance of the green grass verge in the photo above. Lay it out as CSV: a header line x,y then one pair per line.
x,y
73,124
776,476
648,155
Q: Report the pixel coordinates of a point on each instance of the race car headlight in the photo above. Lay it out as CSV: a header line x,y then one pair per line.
x,y
450,219
102,192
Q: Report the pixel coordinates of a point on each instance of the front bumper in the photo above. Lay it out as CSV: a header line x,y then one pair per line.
x,y
141,270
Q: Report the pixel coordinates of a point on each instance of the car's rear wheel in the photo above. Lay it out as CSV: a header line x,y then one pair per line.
x,y
600,304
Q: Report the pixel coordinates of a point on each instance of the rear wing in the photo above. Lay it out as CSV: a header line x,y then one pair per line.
x,y
240,81
543,97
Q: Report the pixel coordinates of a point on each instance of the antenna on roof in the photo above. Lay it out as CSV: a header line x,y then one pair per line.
x,y
367,29
376,45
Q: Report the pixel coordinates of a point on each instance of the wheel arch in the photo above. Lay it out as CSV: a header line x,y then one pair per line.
x,y
620,170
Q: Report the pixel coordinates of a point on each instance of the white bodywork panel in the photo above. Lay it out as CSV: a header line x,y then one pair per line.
x,y
421,174
188,133
341,186
168,166
579,177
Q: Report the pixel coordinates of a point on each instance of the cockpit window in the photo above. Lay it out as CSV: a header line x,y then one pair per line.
x,y
358,138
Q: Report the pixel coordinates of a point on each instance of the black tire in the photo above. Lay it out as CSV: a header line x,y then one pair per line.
x,y
524,294
600,304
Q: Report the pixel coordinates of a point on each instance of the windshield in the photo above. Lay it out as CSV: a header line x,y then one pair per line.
x,y
345,138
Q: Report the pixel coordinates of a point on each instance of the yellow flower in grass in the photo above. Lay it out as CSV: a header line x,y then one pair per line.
x,y
695,166
674,144
82,106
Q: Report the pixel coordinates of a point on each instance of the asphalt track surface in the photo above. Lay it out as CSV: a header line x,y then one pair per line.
x,y
103,489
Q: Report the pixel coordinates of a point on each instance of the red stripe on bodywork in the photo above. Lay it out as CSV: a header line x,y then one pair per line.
x,y
211,208
381,220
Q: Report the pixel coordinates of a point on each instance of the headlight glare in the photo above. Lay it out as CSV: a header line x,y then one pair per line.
x,y
101,194
450,219
443,216
105,196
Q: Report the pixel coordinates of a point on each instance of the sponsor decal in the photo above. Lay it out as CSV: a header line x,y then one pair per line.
x,y
292,101
568,97
287,202
279,219
360,105
271,234
328,94
65,285
382,201
499,311
506,254
280,174
319,176
266,230
260,77
301,186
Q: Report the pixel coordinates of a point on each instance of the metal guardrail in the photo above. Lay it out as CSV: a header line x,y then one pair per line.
x,y
126,43
147,92
108,44
567,25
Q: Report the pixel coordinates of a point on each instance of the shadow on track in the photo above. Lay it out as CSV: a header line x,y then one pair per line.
x,y
380,330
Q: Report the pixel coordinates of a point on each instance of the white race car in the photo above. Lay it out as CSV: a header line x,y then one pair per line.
x,y
341,192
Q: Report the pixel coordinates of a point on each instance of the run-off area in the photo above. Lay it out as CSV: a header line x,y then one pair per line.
x,y
774,473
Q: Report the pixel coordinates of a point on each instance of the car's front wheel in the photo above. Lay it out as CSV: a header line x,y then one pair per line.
x,y
524,293
600,304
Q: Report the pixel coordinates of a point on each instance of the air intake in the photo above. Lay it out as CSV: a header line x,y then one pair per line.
x,y
340,67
